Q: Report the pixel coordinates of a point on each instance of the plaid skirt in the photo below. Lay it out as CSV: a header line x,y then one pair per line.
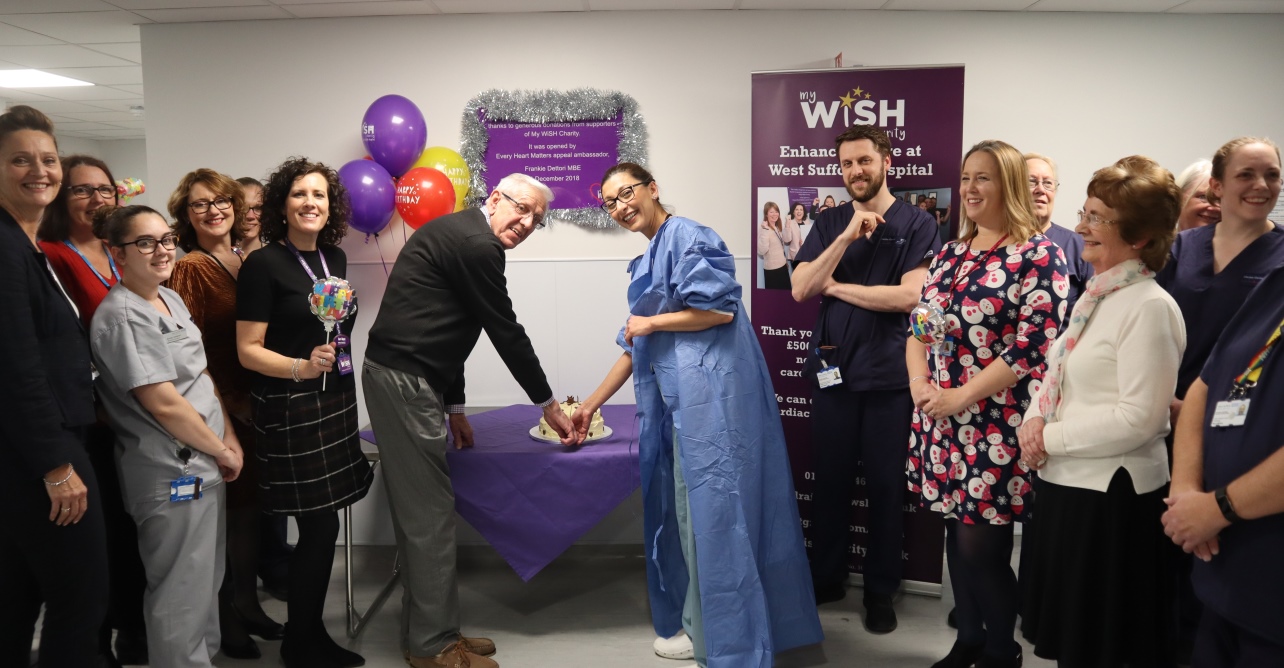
x,y
309,451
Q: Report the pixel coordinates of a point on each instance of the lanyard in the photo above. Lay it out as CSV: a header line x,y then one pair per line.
x,y
311,274
959,267
110,262
1248,380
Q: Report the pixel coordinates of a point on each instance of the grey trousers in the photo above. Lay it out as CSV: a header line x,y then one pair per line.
x,y
409,423
182,546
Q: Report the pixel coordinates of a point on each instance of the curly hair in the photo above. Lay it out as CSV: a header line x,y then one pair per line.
x,y
223,186
272,223
1147,200
56,223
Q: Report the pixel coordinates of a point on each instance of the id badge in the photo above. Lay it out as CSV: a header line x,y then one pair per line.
x,y
1230,413
341,341
185,488
176,336
344,361
946,347
829,377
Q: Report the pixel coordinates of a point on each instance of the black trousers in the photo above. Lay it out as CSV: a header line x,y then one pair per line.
x,y
859,433
63,567
1220,643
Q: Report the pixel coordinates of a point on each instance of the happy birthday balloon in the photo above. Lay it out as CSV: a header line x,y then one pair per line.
x,y
450,163
332,300
424,193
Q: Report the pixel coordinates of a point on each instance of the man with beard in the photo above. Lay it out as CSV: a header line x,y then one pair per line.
x,y
868,259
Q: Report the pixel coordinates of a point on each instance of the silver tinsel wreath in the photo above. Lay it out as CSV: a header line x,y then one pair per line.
x,y
549,106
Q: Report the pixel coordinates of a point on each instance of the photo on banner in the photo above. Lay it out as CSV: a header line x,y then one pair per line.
x,y
796,117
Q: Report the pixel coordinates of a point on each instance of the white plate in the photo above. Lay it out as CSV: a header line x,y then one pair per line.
x,y
606,433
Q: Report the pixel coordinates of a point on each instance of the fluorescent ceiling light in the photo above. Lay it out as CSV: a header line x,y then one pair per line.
x,y
36,79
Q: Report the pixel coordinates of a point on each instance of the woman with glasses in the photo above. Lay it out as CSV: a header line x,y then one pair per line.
x,y
720,513
251,239
1210,273
175,449
774,241
1096,575
1196,210
52,547
303,395
87,272
207,208
998,293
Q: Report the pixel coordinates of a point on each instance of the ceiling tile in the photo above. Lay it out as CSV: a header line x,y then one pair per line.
x,y
136,123
133,89
15,36
625,5
88,93
81,126
201,14
82,28
110,105
353,3
102,75
1139,6
45,6
813,4
63,55
1230,7
954,5
118,133
133,5
380,8
507,6
131,51
24,95
97,116
60,107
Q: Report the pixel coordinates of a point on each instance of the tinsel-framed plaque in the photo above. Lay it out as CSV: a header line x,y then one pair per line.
x,y
566,139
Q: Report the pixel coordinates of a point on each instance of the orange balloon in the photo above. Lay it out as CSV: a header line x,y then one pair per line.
x,y
423,194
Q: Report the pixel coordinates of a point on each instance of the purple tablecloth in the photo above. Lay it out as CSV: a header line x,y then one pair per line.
x,y
531,500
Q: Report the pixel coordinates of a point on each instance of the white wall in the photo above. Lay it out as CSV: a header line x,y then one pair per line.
x,y
1083,88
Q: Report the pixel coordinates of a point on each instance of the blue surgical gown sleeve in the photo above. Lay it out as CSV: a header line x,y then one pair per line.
x,y
705,278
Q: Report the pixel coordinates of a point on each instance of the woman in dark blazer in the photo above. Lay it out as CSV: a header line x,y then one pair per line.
x,y
52,541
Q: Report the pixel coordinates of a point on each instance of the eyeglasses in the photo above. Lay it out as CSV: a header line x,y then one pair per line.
x,y
256,210
201,206
85,192
1048,185
147,245
525,212
1093,220
625,195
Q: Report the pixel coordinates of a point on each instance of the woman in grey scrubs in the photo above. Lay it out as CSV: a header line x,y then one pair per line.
x,y
173,451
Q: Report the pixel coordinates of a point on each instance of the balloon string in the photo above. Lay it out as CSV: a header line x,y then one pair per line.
x,y
404,225
381,258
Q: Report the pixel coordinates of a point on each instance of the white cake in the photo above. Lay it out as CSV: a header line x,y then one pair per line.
x,y
596,426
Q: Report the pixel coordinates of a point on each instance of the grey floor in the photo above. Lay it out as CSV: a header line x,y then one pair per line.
x,y
589,609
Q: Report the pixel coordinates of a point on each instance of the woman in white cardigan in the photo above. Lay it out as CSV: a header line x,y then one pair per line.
x,y
1096,590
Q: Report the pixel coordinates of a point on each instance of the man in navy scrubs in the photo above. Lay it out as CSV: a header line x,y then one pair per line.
x,y
867,259
1043,186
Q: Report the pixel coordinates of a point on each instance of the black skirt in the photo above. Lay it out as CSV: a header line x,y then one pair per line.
x,y
309,451
776,279
1097,590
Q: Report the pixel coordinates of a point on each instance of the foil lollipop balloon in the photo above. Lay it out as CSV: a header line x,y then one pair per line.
x,y
129,188
927,324
332,300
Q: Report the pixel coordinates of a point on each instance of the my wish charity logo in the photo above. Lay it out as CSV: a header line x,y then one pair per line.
x,y
856,106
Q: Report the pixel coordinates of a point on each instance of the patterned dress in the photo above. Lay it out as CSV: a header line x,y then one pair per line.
x,y
1001,303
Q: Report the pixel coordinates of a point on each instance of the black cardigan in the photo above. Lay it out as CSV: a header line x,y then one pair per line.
x,y
47,391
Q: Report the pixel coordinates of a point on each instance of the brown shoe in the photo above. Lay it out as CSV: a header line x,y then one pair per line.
x,y
478,646
454,656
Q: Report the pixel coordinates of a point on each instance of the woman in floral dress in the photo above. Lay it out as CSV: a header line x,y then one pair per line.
x,y
1001,289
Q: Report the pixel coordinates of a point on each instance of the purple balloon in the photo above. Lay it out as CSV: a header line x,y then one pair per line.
x,y
394,133
372,194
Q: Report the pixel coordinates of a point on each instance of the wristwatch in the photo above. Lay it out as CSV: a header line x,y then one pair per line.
x,y
1224,504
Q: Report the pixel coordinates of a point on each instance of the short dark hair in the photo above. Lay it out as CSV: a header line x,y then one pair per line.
x,y
21,117
221,185
112,223
1147,200
875,136
250,181
634,170
277,190
56,223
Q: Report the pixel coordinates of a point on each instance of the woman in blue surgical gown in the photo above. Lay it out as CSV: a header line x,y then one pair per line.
x,y
725,552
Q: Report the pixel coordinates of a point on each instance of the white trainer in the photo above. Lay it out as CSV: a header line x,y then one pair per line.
x,y
677,647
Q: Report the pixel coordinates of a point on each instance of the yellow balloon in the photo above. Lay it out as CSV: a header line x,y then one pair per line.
x,y
451,164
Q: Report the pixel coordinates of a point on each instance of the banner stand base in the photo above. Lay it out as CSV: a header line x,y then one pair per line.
x,y
932,589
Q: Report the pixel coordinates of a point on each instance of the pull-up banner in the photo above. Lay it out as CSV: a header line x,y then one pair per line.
x,y
796,117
